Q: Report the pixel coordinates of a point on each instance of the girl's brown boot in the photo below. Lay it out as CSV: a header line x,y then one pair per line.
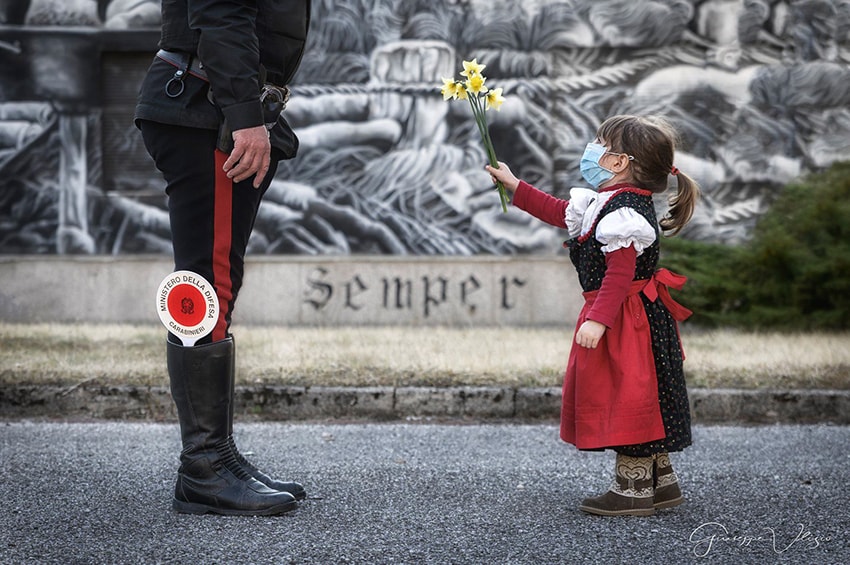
x,y
667,491
631,494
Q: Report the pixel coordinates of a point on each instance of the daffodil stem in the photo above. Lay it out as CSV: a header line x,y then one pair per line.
x,y
481,122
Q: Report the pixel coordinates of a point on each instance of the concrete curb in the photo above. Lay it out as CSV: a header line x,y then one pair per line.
x,y
708,406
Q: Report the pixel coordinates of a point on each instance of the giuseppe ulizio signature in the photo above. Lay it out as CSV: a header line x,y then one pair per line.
x,y
709,535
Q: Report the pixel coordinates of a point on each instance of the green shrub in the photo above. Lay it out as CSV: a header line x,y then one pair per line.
x,y
795,272
713,290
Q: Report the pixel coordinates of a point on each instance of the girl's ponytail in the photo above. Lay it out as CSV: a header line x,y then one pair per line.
x,y
682,204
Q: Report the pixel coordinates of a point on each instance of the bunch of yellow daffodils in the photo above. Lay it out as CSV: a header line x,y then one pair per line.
x,y
480,99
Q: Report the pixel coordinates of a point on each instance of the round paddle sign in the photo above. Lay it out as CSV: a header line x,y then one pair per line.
x,y
187,305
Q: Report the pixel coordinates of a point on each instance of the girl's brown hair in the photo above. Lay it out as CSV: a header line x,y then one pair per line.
x,y
651,140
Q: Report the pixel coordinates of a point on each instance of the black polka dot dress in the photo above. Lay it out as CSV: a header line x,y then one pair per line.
x,y
589,260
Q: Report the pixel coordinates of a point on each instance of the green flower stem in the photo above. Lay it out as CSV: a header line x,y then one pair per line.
x,y
481,121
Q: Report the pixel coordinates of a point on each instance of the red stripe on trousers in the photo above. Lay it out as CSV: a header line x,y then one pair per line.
x,y
222,236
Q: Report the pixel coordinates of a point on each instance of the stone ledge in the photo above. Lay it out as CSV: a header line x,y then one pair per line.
x,y
770,406
708,406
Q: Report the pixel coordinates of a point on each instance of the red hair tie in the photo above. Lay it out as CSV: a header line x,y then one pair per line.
x,y
674,171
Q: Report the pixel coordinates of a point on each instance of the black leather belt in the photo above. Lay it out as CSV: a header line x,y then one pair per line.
x,y
272,97
184,62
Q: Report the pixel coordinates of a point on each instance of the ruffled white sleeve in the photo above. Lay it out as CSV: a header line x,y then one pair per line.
x,y
580,200
624,227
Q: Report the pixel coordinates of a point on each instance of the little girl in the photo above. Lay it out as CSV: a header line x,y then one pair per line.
x,y
624,388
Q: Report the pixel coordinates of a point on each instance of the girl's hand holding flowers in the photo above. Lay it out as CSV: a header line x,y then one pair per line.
x,y
502,173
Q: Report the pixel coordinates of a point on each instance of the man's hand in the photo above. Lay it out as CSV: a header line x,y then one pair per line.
x,y
589,334
251,155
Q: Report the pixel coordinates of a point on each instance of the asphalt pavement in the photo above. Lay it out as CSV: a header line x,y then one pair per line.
x,y
421,492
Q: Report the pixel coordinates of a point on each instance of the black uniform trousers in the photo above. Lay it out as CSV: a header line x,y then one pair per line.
x,y
211,216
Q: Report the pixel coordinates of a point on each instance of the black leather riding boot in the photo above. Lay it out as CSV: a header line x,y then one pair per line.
x,y
295,489
210,478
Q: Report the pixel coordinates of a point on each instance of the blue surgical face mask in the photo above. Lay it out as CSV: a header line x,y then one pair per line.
x,y
591,170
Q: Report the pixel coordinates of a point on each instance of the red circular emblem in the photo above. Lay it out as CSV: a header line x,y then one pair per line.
x,y
186,305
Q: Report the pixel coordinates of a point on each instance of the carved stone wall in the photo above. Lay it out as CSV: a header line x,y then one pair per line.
x,y
757,88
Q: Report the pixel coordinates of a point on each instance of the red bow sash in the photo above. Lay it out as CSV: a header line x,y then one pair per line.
x,y
658,286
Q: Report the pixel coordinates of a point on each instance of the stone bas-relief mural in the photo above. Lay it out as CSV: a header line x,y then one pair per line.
x,y
117,14
757,88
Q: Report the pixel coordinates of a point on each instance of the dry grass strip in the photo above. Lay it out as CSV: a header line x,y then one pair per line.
x,y
68,354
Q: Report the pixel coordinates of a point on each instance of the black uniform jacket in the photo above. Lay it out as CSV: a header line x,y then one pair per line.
x,y
232,39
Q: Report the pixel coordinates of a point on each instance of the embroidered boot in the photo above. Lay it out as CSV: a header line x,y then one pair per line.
x,y
630,494
667,491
